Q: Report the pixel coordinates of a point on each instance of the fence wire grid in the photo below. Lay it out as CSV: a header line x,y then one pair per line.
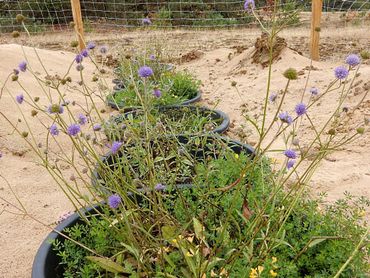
x,y
49,15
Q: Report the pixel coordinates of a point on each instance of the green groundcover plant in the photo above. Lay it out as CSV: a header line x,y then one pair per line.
x,y
194,208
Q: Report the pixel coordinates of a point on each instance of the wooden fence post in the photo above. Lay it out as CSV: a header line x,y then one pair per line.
x,y
78,24
315,29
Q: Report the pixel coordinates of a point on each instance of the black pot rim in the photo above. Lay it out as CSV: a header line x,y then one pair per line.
x,y
116,106
216,114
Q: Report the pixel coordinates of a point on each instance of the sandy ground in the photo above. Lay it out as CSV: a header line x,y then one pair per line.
x,y
219,63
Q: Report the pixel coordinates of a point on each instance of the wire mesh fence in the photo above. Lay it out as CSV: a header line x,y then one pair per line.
x,y
56,15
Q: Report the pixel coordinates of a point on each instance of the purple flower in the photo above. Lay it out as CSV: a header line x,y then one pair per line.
x,y
97,127
157,93
159,187
82,119
285,118
249,5
353,60
73,129
115,147
145,71
146,21
273,97
85,53
314,91
301,109
16,71
19,98
151,57
114,201
79,67
55,109
22,66
103,49
91,45
341,72
79,58
54,130
290,154
290,164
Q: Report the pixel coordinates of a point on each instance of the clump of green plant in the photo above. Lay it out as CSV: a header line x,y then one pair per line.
x,y
171,120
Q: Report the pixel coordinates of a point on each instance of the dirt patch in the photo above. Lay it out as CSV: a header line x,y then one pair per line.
x,y
261,54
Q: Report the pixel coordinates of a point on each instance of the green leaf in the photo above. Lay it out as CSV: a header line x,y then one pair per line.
x,y
198,229
107,264
168,232
132,250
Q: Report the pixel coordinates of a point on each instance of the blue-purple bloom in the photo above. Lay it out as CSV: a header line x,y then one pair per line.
x,y
85,53
79,58
290,163
314,91
103,49
97,127
54,130
145,71
273,97
341,72
115,147
91,45
19,98
114,201
353,60
55,109
290,154
157,93
285,118
146,21
73,129
79,67
152,57
16,71
300,109
82,119
22,66
159,187
249,5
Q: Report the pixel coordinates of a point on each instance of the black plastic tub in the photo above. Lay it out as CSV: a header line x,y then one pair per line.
x,y
46,262
121,106
184,141
220,125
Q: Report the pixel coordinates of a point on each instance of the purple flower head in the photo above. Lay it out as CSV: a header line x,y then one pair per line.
x,y
91,45
16,71
151,57
54,130
273,97
249,5
85,53
103,49
79,67
22,66
114,201
290,163
19,98
97,127
55,109
159,187
340,72
115,147
290,154
79,58
146,21
314,91
145,72
300,109
157,93
82,119
285,118
353,60
73,129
